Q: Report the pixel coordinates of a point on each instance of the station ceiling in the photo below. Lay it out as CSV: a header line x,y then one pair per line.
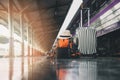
x,y
43,17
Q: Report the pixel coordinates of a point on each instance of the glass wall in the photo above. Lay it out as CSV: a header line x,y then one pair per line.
x,y
4,41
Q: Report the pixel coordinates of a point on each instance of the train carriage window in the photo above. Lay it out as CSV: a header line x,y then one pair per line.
x,y
95,6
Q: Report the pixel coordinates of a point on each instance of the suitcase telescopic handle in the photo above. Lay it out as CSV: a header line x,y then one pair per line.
x,y
81,16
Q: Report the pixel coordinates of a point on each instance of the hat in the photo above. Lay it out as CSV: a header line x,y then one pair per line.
x,y
65,34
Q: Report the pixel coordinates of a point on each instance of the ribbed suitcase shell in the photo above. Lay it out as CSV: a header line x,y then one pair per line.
x,y
86,40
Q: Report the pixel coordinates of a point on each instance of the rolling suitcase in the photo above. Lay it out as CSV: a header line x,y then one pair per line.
x,y
86,37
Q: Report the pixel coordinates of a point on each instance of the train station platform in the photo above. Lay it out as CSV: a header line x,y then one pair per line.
x,y
30,30
102,68
78,69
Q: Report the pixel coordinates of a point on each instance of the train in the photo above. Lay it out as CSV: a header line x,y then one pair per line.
x,y
105,18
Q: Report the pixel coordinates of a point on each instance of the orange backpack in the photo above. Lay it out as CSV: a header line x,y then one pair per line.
x,y
63,43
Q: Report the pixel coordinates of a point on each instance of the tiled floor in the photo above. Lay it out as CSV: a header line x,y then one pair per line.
x,y
65,69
